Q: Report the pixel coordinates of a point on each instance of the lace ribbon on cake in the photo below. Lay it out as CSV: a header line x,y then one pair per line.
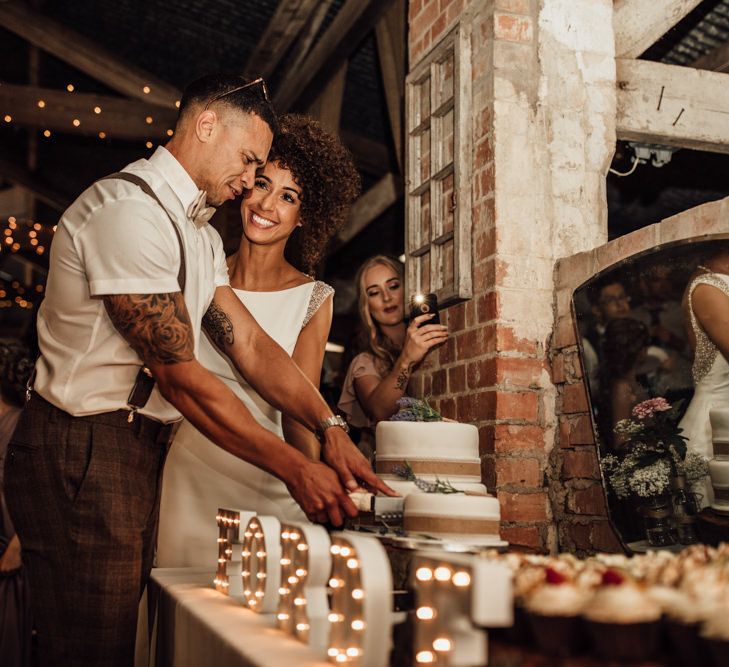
x,y
318,295
706,351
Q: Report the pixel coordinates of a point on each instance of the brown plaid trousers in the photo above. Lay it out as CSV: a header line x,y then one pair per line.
x,y
84,493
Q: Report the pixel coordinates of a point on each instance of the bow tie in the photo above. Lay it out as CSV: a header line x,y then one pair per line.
x,y
198,212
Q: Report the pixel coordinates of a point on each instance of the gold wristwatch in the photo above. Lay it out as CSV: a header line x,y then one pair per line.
x,y
324,424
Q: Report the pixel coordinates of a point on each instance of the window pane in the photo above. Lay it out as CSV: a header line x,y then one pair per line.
x,y
446,203
424,218
421,103
424,166
446,126
444,89
447,253
425,272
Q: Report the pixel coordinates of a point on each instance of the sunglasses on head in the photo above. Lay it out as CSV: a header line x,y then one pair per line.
x,y
256,82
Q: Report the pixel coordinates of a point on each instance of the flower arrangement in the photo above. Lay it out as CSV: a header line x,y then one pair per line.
x,y
439,486
655,452
415,410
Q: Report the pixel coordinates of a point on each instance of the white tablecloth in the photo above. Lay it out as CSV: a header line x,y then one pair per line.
x,y
196,626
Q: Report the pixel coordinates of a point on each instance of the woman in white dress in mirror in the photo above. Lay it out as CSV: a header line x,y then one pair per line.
x,y
706,311
308,184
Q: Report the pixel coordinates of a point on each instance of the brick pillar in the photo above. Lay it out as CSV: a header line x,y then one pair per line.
x,y
543,135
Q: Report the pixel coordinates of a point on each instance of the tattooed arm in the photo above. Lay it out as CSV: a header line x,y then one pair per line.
x,y
273,374
157,327
378,396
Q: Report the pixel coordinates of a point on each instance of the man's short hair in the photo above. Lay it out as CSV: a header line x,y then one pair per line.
x,y
252,99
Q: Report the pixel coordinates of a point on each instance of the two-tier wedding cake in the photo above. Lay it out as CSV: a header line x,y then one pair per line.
x,y
719,465
445,452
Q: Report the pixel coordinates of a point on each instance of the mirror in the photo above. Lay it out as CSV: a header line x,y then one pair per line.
x,y
635,345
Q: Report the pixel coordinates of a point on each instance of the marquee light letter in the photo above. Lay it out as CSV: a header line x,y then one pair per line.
x,y
456,596
303,607
230,535
260,569
361,602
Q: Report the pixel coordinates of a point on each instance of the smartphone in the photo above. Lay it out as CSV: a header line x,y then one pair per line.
x,y
424,304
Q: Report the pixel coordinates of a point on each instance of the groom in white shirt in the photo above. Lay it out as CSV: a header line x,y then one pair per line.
x,y
135,270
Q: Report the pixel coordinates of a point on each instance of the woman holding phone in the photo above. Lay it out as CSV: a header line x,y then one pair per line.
x,y
378,376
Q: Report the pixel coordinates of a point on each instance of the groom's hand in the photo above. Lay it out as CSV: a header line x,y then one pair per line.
x,y
340,453
317,489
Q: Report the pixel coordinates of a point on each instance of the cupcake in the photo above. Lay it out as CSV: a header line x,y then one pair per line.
x,y
715,633
553,611
623,621
682,617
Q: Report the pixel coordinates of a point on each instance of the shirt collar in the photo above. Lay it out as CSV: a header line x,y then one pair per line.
x,y
176,176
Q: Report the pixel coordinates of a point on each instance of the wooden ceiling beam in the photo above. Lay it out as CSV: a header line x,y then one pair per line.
x,y
85,55
353,21
119,118
38,187
285,26
327,107
391,34
370,156
715,61
672,105
638,24
371,205
302,47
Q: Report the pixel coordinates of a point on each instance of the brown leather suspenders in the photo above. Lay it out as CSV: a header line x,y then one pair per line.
x,y
144,382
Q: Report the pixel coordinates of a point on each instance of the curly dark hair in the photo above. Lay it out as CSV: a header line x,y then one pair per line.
x,y
324,170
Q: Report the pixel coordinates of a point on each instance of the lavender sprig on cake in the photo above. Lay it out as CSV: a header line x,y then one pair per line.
x,y
415,410
439,486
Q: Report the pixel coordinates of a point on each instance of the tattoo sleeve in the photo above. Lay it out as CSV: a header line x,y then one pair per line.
x,y
218,326
401,381
157,326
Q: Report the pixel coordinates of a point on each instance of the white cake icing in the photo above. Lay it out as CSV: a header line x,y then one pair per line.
x,y
457,517
719,418
446,450
719,473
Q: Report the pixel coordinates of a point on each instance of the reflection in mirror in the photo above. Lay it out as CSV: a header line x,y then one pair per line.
x,y
654,343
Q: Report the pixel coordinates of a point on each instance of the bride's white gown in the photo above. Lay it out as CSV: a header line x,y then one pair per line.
x,y
711,385
200,477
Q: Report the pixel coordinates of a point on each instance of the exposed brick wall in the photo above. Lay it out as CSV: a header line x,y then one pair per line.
x,y
534,183
575,485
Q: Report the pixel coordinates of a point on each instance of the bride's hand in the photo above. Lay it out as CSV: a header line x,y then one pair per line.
x,y
340,453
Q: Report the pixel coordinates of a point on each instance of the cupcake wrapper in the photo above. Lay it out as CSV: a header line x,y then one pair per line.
x,y
625,641
684,641
718,651
558,635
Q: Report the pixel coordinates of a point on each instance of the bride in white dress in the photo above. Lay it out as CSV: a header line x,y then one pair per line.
x,y
308,183
706,305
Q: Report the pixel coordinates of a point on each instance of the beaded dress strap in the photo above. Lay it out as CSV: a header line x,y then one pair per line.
x,y
706,351
318,296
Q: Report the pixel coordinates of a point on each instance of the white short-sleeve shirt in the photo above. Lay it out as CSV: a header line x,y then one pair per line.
x,y
115,239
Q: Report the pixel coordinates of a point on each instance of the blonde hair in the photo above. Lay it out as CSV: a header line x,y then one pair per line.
x,y
375,341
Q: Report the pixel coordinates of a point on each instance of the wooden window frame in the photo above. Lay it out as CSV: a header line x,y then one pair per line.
x,y
458,44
